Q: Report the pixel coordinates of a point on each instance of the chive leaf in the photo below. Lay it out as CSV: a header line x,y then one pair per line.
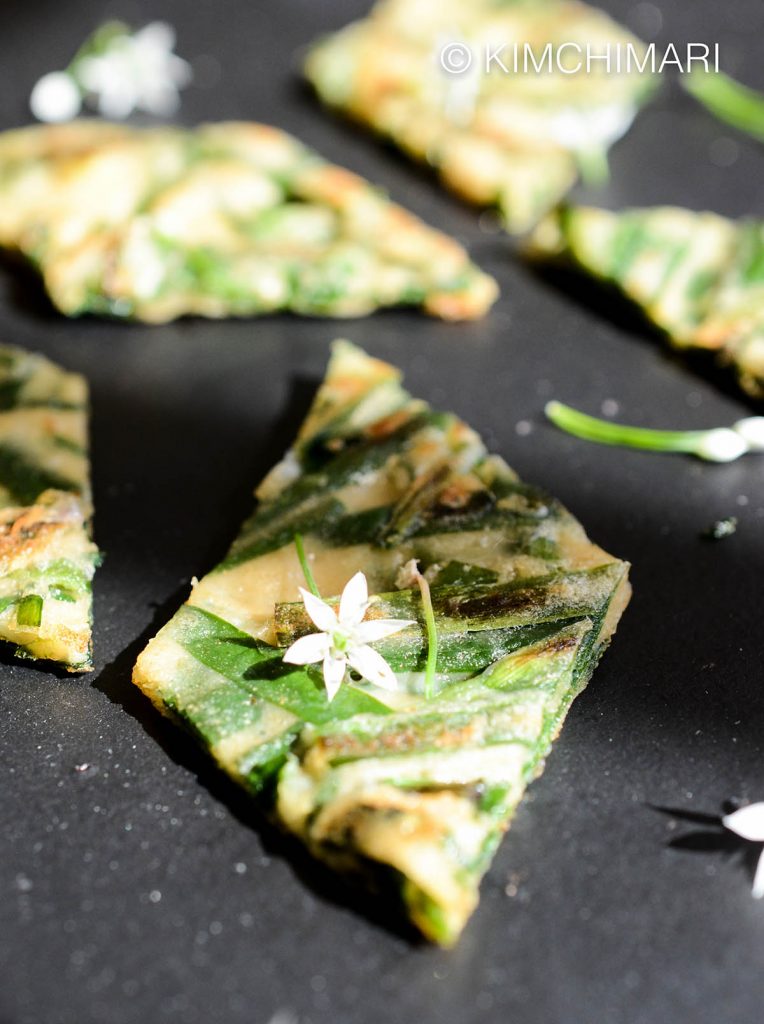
x,y
29,610
729,101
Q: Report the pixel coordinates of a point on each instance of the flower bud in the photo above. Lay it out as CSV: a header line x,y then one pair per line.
x,y
55,97
721,445
751,430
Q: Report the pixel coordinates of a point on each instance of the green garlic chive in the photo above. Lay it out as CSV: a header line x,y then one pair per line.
x,y
720,444
731,102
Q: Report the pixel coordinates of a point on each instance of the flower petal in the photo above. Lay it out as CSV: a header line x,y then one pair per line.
x,y
334,673
354,599
157,35
371,630
747,822
308,649
758,880
160,98
319,611
372,666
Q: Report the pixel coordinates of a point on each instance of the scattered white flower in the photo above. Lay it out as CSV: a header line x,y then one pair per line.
x,y
118,72
748,823
136,72
344,638
55,97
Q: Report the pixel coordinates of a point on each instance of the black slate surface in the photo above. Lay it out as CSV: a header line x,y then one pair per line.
x,y
144,888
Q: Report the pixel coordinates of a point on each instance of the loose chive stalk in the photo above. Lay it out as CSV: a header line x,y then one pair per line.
x,y
720,444
29,610
305,566
729,101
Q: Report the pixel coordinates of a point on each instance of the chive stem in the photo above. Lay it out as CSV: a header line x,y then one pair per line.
x,y
306,570
716,445
729,101
432,634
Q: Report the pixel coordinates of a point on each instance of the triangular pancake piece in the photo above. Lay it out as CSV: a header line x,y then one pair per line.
x,y
697,276
47,557
497,131
231,219
408,790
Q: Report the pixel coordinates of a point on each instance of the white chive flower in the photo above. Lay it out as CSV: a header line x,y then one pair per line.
x,y
124,72
345,637
136,72
748,823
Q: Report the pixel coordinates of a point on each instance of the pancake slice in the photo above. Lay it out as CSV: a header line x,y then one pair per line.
x,y
698,277
230,219
47,556
508,130
408,791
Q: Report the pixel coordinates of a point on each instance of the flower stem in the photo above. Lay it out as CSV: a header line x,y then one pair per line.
x,y
716,445
99,42
731,102
306,570
606,432
432,635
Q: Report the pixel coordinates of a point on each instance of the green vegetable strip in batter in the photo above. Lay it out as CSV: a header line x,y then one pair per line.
x,y
408,792
47,558
697,276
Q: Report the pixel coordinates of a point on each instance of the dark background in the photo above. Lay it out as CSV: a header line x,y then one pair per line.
x,y
144,888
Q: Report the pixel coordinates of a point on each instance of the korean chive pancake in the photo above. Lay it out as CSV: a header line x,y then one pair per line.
x,y
698,277
230,219
408,794
47,556
503,138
